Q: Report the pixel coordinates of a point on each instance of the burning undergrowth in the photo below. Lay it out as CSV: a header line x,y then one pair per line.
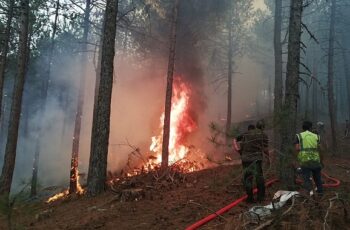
x,y
65,193
183,157
143,172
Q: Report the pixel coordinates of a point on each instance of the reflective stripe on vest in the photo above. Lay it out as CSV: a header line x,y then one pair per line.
x,y
308,147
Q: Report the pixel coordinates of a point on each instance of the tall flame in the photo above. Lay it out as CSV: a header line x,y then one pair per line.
x,y
181,125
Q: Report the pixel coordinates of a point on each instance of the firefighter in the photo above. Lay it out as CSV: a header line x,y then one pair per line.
x,y
309,157
254,145
238,140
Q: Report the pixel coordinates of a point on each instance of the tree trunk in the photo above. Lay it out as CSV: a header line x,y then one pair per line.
x,y
5,46
339,99
169,88
12,137
269,98
65,102
3,126
347,77
102,109
314,94
278,89
76,136
34,181
229,80
289,121
45,88
331,99
307,92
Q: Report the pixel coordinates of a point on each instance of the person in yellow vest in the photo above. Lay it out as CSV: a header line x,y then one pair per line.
x,y
309,157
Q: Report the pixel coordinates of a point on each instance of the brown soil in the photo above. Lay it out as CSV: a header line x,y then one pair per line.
x,y
165,205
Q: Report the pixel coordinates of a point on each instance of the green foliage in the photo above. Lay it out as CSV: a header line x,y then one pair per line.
x,y
239,15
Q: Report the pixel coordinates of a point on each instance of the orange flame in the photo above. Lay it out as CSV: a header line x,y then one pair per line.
x,y
58,196
181,125
65,193
80,190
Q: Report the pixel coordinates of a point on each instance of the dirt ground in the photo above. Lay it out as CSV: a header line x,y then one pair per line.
x,y
173,205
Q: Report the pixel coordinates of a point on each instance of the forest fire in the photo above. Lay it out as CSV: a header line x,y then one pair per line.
x,y
182,125
182,157
58,196
65,193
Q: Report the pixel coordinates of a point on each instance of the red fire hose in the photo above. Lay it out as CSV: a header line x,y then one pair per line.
x,y
243,198
224,209
335,180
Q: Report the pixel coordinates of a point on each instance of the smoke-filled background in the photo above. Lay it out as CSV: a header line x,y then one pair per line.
x,y
139,85
142,50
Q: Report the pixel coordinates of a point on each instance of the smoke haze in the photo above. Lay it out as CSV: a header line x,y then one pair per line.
x,y
137,104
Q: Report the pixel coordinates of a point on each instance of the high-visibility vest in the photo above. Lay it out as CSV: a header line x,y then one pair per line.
x,y
308,148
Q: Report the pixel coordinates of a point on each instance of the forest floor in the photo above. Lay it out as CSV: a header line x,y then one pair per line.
x,y
180,203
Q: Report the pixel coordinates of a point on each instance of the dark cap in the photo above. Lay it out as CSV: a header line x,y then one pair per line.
x,y
307,125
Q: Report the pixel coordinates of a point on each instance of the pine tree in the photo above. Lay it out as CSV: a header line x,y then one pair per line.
x,y
102,108
12,136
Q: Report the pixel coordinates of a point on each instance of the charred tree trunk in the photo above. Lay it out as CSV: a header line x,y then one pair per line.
x,y
290,106
34,180
12,137
102,109
73,186
229,81
169,88
331,99
45,88
5,46
278,89
76,135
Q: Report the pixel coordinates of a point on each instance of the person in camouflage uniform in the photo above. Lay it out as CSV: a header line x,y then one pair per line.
x,y
254,145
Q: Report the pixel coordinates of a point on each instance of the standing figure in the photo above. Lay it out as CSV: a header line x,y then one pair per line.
x,y
309,157
237,142
254,145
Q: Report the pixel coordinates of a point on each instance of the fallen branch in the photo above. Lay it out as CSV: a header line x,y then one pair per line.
x,y
331,202
343,166
290,208
264,225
